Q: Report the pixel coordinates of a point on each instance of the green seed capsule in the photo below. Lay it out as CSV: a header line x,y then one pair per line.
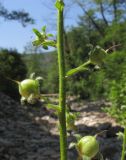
x,y
28,87
98,55
88,146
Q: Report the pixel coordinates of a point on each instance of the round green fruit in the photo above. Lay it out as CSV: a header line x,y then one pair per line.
x,y
88,146
28,87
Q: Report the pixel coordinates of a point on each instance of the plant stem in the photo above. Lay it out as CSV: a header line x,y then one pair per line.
x,y
62,92
124,145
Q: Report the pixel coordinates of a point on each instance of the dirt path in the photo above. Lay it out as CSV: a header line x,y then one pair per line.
x,y
31,134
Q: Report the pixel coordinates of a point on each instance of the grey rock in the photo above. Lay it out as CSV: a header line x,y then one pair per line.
x,y
29,133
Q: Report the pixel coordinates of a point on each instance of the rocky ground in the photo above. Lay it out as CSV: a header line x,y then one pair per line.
x,y
30,133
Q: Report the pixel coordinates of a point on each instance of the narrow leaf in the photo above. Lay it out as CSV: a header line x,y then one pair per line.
x,y
44,29
54,107
36,43
50,35
75,70
32,75
45,47
38,34
72,145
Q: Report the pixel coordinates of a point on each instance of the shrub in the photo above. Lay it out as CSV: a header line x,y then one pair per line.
x,y
11,67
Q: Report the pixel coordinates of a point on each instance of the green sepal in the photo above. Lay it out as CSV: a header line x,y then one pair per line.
x,y
54,107
75,70
72,145
77,136
120,135
32,76
59,5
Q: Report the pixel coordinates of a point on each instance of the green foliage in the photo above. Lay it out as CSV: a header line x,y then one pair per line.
x,y
77,40
80,51
80,68
42,39
115,34
45,65
11,66
118,99
115,85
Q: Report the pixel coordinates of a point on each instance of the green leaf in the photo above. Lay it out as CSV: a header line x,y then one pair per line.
x,y
44,29
50,35
97,55
75,70
36,43
49,43
45,47
54,107
59,5
38,34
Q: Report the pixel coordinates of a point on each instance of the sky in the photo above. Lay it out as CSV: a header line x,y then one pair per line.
x,y
14,35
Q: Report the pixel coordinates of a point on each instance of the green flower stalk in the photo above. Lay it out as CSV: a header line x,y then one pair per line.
x,y
124,145
62,89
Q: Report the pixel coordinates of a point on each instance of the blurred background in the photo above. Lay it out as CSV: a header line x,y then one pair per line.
x,y
96,22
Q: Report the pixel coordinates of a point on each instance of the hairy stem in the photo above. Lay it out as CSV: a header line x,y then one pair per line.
x,y
62,92
124,145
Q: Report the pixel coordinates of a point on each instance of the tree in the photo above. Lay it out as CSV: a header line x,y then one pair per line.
x,y
11,67
101,24
44,65
102,13
22,16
